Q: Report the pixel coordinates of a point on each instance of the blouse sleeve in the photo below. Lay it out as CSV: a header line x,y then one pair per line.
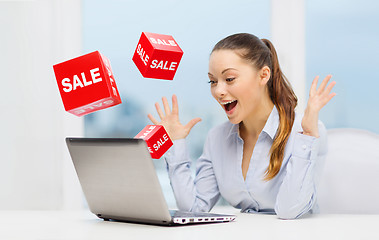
x,y
298,191
198,195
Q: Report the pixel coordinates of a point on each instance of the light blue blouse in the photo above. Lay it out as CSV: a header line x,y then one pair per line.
x,y
292,193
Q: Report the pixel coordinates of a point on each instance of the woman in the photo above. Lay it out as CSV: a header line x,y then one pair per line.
x,y
266,158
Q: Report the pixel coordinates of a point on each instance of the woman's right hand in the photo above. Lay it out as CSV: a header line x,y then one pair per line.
x,y
170,120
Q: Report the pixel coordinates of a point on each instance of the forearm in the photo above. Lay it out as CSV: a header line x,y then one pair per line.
x,y
197,195
297,194
180,175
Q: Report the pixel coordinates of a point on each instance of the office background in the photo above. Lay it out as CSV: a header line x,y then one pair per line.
x,y
312,38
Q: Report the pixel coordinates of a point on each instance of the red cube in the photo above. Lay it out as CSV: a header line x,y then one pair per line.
x,y
86,84
157,139
157,56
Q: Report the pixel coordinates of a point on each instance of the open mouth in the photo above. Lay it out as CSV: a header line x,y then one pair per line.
x,y
230,105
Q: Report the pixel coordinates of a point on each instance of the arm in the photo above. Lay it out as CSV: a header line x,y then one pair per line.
x,y
297,193
196,196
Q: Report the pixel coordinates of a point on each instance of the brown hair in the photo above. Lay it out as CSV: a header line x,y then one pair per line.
x,y
262,53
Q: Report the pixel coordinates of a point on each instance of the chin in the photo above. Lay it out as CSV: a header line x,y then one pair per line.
x,y
234,120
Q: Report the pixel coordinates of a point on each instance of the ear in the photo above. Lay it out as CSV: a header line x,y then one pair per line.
x,y
264,75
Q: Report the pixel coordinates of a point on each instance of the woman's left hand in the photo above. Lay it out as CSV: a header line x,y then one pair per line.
x,y
318,98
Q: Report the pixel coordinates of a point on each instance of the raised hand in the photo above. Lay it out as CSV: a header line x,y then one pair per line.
x,y
170,119
318,98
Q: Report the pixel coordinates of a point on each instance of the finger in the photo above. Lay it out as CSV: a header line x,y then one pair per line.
x,y
324,83
152,119
159,110
314,86
330,87
166,106
330,96
327,99
192,123
175,106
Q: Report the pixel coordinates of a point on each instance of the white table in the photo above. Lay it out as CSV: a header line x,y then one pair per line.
x,y
59,225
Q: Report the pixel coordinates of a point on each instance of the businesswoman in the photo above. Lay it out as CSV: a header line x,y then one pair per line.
x,y
266,158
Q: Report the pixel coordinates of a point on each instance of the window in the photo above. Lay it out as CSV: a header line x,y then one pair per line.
x,y
342,39
114,27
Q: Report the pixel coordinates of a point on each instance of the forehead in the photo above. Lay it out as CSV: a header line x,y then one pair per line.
x,y
223,59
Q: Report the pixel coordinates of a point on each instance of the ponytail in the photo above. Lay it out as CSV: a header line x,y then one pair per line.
x,y
262,53
285,100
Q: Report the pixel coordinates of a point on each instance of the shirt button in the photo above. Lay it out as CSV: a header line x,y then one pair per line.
x,y
304,147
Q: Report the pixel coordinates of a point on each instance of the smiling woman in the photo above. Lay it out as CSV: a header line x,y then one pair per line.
x,y
266,157
258,87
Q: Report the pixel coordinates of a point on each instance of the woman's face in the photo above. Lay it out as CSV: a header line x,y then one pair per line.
x,y
236,85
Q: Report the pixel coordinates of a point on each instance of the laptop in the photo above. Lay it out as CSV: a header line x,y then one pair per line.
x,y
120,183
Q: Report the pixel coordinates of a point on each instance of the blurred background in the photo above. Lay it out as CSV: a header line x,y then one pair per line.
x,y
311,37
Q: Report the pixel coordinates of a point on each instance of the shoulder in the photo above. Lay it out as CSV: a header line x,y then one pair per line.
x,y
221,130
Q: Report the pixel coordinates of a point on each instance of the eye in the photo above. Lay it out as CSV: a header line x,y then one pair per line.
x,y
212,82
229,79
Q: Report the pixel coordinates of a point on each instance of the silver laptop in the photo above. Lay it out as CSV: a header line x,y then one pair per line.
x,y
119,182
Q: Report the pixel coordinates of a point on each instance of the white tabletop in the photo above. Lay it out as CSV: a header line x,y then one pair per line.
x,y
59,225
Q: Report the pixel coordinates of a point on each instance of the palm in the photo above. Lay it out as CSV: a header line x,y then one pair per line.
x,y
170,119
318,98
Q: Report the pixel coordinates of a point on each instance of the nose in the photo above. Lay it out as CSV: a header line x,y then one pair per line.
x,y
220,90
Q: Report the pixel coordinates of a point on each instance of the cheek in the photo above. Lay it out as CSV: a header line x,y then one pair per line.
x,y
249,96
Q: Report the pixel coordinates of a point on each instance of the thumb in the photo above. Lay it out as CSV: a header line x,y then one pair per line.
x,y
192,123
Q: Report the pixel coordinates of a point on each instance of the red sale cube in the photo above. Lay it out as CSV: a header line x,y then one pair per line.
x,y
86,84
157,56
157,139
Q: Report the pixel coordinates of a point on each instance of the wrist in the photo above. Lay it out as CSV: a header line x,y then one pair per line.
x,y
311,134
310,123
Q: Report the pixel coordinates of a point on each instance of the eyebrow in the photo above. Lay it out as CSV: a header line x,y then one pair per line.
x,y
227,69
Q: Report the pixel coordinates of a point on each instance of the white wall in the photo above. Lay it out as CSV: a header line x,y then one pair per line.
x,y
36,171
288,37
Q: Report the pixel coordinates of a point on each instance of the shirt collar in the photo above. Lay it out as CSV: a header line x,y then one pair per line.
x,y
270,127
272,123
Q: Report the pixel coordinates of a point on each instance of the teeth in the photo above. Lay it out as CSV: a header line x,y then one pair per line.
x,y
227,102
